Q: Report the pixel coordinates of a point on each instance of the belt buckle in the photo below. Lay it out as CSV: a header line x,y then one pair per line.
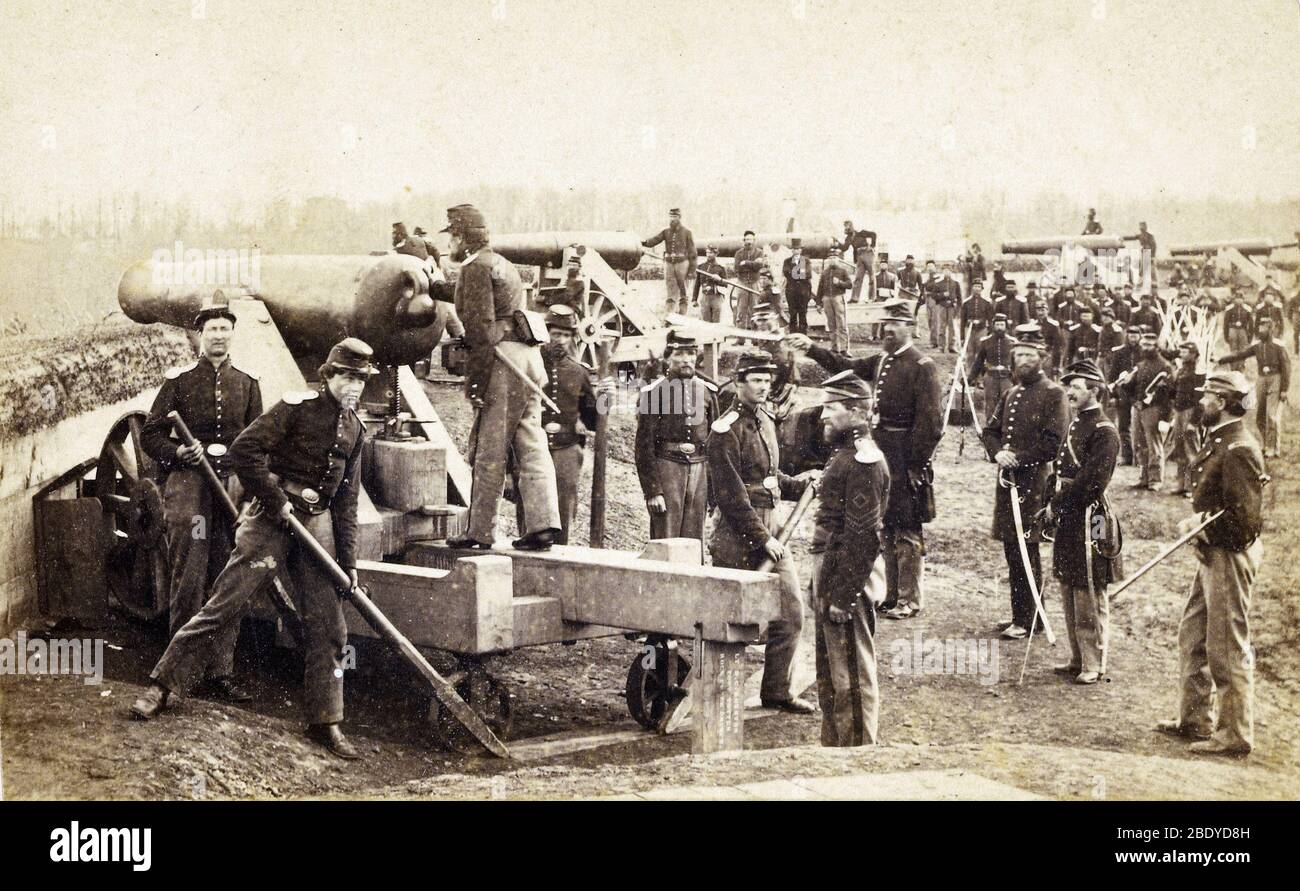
x,y
310,496
1265,370
216,449
875,420
772,484
552,427
686,448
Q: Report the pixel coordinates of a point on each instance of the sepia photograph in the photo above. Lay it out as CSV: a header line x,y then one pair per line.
x,y
525,401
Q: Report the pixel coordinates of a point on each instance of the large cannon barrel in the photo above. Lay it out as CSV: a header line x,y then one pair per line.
x,y
1250,247
815,246
1060,242
314,300
621,250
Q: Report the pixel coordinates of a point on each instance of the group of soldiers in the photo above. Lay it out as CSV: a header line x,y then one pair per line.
x,y
705,451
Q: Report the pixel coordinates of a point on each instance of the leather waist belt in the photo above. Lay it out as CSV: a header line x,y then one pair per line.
x,y
304,497
687,452
674,258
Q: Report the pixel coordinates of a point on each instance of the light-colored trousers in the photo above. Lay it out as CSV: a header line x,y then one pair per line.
x,y
941,317
675,286
1268,395
568,472
512,418
1087,620
904,555
1146,443
1214,653
847,687
1184,446
837,322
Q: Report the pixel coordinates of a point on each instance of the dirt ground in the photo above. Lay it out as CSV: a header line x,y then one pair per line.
x,y
61,738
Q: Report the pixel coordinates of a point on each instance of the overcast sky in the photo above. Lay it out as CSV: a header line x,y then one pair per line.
x,y
221,100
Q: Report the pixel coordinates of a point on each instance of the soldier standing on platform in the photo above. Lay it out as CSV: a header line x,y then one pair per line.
x,y
1215,658
745,470
508,414
906,427
747,264
569,386
302,458
673,418
679,261
1023,437
863,242
846,589
1084,467
216,400
993,361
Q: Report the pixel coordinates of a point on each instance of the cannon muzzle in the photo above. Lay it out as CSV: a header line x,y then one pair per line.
x,y
314,300
1249,247
621,250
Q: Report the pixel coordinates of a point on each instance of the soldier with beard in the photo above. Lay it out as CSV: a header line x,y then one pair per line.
x,y
673,418
846,585
993,361
906,427
1023,437
1084,467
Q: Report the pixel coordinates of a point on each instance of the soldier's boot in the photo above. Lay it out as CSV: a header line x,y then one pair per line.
x,y
1174,727
332,738
226,688
541,540
151,702
468,542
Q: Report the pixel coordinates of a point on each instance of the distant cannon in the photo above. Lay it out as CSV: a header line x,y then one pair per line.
x,y
620,250
815,247
1059,242
1247,247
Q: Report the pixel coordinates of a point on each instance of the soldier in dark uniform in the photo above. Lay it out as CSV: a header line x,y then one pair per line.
x,y
1214,650
714,292
976,313
906,427
1084,467
1023,437
1012,305
863,242
1112,334
673,418
836,278
1053,337
744,468
569,386
1238,326
993,361
909,278
1146,314
508,415
748,263
1080,336
1092,226
1122,361
848,577
1272,384
1150,403
1185,392
301,458
679,260
216,400
945,297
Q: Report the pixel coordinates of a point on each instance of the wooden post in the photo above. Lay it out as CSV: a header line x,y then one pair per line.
x,y
718,696
600,450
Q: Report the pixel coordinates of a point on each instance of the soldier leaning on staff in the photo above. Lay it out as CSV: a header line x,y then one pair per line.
x,y
216,400
673,417
1081,562
1215,659
301,458
489,301
745,473
847,573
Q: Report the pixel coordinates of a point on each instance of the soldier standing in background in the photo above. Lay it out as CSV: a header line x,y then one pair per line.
x,y
302,458
1023,437
1082,338
1054,338
1122,361
906,426
1214,651
1238,326
216,400
993,361
1092,226
976,312
569,386
1150,403
679,261
673,418
508,415
745,470
747,264
1185,390
945,295
836,279
1271,385
798,286
846,590
713,291
1012,305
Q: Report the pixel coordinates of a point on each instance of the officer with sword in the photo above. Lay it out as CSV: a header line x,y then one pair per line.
x,y
1084,558
1023,437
